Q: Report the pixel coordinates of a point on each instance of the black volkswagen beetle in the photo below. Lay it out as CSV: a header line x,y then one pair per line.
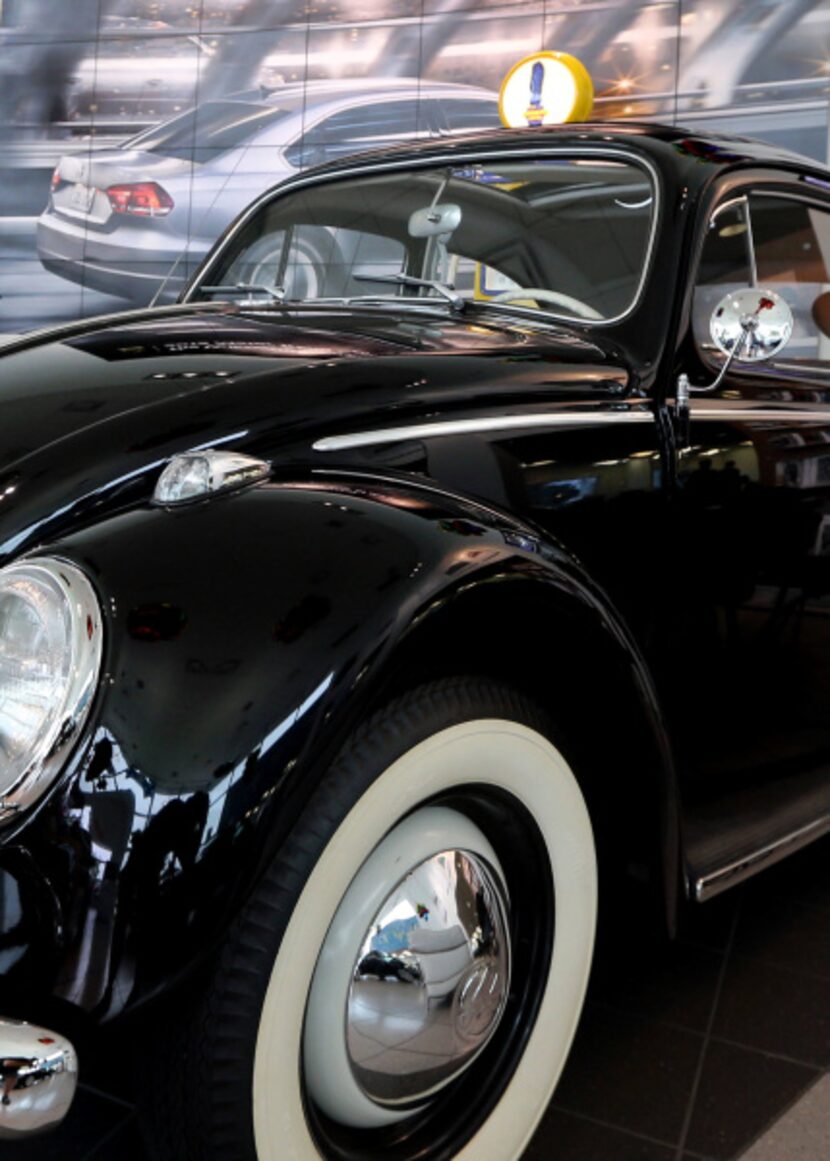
x,y
364,620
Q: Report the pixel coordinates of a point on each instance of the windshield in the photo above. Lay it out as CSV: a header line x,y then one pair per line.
x,y
568,236
207,131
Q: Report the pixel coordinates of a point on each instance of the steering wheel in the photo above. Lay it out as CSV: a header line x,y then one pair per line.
x,y
580,308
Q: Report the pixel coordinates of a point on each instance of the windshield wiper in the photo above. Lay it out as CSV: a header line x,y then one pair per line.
x,y
448,292
274,292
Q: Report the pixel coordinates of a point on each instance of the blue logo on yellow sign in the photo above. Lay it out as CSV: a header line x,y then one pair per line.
x,y
547,88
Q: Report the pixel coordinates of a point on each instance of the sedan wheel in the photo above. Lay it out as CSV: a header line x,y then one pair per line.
x,y
312,258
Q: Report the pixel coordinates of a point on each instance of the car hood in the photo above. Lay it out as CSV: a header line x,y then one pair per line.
x,y
93,411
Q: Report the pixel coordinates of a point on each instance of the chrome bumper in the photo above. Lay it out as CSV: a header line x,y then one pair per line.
x,y
38,1076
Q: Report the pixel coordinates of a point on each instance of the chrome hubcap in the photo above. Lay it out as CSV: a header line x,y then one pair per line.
x,y
431,980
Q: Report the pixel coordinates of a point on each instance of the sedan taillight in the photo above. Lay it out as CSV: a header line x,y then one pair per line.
x,y
145,199
56,177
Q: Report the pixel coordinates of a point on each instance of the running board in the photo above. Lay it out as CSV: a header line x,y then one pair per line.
x,y
742,833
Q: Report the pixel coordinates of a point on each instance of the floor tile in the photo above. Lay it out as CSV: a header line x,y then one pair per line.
x,y
568,1138
661,980
710,925
741,1093
802,1134
804,878
630,1072
785,933
775,1010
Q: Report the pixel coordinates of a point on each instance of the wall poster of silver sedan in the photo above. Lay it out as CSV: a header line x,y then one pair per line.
x,y
136,220
452,558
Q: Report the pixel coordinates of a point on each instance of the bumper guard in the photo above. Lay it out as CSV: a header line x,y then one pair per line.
x,y
38,1077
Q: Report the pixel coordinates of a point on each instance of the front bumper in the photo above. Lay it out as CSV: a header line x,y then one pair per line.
x,y
38,1078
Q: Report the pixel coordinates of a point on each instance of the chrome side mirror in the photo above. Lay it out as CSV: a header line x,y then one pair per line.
x,y
749,325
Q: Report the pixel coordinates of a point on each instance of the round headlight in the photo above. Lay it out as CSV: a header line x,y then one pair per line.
x,y
50,660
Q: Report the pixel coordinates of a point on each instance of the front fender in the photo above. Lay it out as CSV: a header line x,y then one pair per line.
x,y
245,638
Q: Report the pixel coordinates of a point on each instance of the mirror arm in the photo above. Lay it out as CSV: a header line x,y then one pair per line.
x,y
746,326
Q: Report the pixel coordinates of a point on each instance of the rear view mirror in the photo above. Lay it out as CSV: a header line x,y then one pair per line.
x,y
436,221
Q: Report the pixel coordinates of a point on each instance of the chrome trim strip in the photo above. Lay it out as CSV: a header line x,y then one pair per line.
x,y
513,154
724,206
707,886
740,200
750,242
484,423
762,414
813,197
802,365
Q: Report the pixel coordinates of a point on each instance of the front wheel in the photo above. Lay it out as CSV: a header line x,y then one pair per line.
x,y
407,980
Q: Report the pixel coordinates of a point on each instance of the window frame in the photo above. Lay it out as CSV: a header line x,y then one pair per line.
x,y
711,356
473,156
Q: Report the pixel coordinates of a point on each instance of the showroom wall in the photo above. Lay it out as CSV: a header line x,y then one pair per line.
x,y
80,77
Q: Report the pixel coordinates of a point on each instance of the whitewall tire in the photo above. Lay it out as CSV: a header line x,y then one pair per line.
x,y
489,753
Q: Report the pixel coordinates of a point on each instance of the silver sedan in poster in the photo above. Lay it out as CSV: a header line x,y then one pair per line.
x,y
118,220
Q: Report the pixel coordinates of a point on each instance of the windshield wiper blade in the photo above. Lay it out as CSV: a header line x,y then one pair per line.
x,y
448,292
274,292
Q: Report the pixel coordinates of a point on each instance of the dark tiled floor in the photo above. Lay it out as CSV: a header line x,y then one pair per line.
x,y
687,1052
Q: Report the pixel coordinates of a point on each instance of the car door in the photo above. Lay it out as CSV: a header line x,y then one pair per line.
x,y
745,646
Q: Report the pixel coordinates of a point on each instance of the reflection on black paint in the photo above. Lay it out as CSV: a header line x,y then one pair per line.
x,y
309,612
157,622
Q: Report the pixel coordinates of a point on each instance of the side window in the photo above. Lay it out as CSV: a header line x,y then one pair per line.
x,y
725,264
792,250
469,116
366,126
773,241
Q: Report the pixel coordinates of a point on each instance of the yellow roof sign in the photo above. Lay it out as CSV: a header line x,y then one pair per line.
x,y
546,88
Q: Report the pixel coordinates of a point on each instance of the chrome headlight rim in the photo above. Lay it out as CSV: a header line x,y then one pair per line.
x,y
52,750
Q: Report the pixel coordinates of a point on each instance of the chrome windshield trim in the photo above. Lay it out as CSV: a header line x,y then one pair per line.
x,y
484,155
484,423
